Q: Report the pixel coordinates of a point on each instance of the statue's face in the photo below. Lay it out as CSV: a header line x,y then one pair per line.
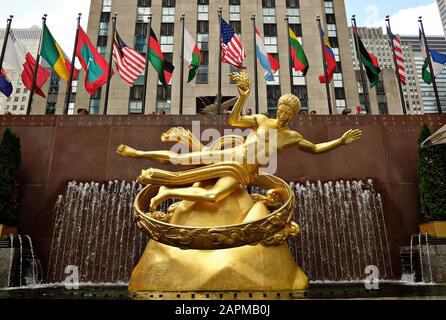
x,y
284,115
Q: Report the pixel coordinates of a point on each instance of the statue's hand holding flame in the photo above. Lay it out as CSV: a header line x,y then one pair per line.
x,y
243,82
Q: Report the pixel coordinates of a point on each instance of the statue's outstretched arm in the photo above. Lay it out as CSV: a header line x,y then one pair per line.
x,y
236,119
347,138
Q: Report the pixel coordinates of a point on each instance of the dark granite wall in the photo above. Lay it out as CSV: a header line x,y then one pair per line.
x,y
59,149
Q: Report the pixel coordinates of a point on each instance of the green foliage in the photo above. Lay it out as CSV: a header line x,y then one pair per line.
x,y
10,159
432,179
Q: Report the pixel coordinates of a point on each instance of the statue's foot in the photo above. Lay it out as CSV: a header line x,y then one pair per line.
x,y
126,151
159,198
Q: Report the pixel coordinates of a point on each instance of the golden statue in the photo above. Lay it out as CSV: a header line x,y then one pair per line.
x,y
219,237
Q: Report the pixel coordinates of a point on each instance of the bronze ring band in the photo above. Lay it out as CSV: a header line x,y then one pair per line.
x,y
271,230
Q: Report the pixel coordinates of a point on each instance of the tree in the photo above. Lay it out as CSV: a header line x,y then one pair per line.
x,y
432,179
10,159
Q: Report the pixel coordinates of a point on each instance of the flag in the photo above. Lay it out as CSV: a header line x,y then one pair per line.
x,y
54,55
268,63
232,49
28,72
300,62
129,62
398,52
164,68
369,61
95,66
5,84
19,58
330,58
438,61
192,55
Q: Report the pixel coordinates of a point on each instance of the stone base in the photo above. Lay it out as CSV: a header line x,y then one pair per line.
x,y
164,268
5,266
429,263
257,268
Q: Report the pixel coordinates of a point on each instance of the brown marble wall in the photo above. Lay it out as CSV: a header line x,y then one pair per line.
x,y
59,149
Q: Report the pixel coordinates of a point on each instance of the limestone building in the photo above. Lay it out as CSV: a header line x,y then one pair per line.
x,y
18,101
202,22
385,97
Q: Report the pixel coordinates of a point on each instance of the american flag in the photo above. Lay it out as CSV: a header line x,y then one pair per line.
x,y
129,62
233,52
398,56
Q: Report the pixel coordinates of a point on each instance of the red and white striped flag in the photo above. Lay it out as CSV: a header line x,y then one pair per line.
x,y
232,49
129,62
399,57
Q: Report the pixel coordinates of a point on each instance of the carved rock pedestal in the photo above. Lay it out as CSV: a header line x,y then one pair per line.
x,y
256,268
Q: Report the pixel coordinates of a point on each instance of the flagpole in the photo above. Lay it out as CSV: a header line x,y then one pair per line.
x,y
324,62
429,59
110,62
361,67
36,68
256,76
149,33
287,19
182,19
73,57
397,72
219,111
5,41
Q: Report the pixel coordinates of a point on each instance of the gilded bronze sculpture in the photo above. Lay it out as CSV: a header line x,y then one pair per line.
x,y
218,237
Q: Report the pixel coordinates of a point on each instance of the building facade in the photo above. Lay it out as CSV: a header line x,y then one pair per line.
x,y
201,20
426,91
18,101
442,9
386,98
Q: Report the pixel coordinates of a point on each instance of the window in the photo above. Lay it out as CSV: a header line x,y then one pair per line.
x,y
293,15
234,13
163,95
302,93
142,14
298,78
94,102
270,30
292,3
135,99
332,30
236,25
203,12
329,7
166,43
269,15
169,3
168,15
103,29
273,96
144,3
337,80
271,44
106,5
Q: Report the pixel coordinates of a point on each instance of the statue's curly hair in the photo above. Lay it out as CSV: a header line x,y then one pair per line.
x,y
292,101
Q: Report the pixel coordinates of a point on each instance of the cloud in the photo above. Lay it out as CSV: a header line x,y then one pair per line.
x,y
405,22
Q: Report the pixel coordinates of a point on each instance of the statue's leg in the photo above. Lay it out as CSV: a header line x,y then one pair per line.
x,y
187,159
223,188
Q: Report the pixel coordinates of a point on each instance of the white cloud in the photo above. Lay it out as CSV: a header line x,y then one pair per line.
x,y
405,22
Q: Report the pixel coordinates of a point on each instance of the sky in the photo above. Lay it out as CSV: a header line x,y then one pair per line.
x,y
62,15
